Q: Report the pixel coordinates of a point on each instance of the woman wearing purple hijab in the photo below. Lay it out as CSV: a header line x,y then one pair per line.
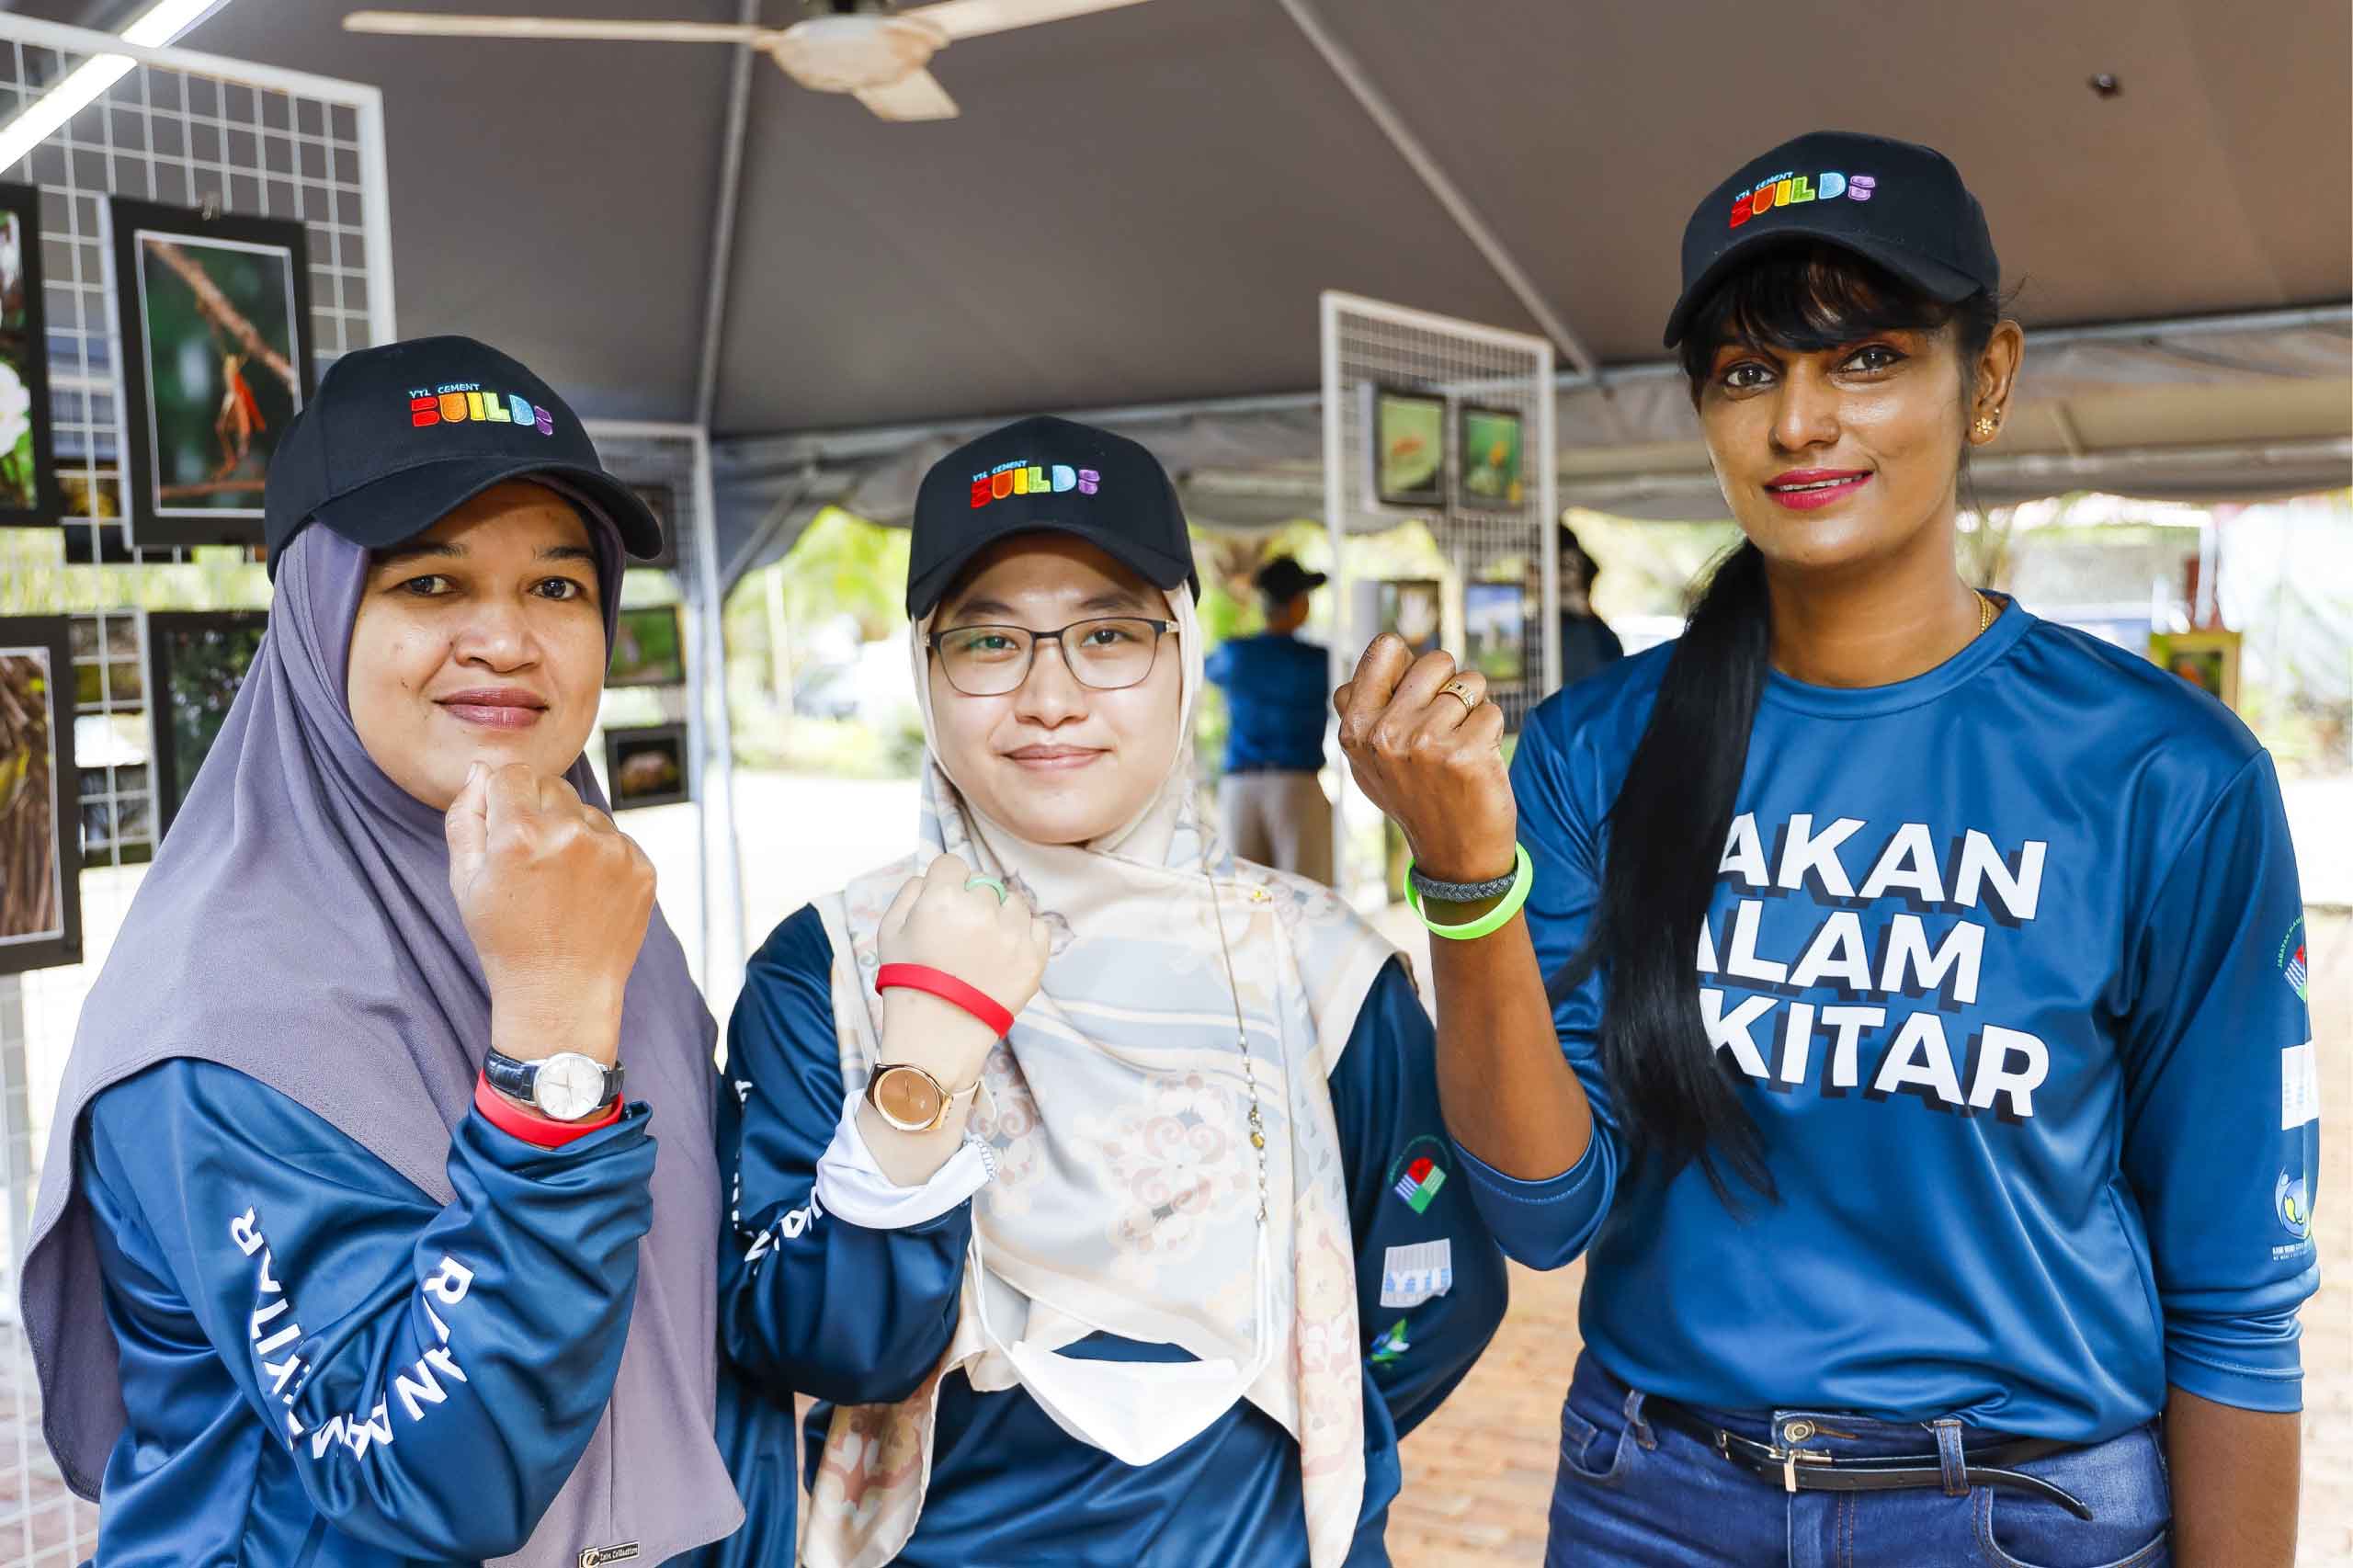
x,y
350,1248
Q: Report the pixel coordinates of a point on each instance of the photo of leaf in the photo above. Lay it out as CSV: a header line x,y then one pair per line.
x,y
648,648
196,663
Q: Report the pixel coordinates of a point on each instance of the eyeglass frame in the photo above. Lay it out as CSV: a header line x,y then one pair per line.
x,y
1160,628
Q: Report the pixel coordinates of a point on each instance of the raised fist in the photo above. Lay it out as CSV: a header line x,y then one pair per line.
x,y
555,900
998,947
1425,746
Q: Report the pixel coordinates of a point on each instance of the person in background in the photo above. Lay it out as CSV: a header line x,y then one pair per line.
x,y
1924,1071
1271,801
1587,642
1092,1178
350,1251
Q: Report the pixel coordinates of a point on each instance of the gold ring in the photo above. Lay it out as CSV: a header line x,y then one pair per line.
x,y
1454,688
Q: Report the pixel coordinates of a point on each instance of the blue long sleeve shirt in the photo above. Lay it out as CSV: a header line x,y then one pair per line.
x,y
860,1315
2007,959
1277,695
278,1296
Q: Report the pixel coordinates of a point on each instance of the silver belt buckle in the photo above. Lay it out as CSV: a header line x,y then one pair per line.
x,y
1790,1459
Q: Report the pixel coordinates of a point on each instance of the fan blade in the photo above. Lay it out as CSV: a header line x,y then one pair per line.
x,y
915,97
417,24
970,18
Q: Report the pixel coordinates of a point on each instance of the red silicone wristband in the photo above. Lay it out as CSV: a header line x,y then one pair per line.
x,y
948,988
532,1127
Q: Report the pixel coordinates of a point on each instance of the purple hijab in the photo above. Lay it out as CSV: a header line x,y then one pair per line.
x,y
297,925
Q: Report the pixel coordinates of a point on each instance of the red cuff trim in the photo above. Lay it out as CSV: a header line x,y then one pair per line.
x,y
530,1125
948,988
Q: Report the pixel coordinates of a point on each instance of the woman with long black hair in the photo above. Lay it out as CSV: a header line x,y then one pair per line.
x,y
1958,1210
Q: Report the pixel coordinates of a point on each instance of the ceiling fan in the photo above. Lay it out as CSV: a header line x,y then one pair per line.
x,y
863,47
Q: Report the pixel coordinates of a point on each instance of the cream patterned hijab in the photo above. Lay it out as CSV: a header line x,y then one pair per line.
x,y
1126,1194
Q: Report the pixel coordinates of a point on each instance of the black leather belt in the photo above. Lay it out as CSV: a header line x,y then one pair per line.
x,y
1810,1469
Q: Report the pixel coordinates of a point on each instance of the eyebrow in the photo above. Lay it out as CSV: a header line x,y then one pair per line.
x,y
439,550
1115,598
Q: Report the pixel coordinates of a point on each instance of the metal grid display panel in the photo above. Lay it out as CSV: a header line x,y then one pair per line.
x,y
1371,347
181,131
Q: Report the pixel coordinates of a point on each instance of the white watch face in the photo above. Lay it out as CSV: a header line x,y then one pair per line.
x,y
569,1086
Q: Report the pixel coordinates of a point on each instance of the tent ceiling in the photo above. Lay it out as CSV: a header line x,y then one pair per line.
x,y
1139,206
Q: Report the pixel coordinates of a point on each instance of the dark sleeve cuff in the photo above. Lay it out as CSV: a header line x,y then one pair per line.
x,y
1546,1224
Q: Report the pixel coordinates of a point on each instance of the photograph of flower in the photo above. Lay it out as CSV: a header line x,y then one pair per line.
x,y
40,924
216,364
1489,477
649,648
196,662
28,486
646,766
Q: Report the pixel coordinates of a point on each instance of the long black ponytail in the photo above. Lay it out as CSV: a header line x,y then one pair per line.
x,y
1677,1100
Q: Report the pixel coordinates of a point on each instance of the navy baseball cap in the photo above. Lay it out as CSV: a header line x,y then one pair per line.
x,y
400,436
1892,202
1047,475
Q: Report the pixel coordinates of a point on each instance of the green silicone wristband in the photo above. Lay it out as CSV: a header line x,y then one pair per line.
x,y
1495,920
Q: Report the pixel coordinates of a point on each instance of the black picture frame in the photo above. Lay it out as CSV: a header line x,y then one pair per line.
x,y
153,516
1514,495
24,353
41,645
621,746
187,689
1392,408
662,501
631,628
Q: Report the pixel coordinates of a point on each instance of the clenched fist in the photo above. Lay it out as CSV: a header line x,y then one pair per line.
x,y
1425,746
999,949
555,900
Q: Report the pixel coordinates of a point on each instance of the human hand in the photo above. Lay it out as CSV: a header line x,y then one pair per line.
x,y
555,900
999,947
1431,760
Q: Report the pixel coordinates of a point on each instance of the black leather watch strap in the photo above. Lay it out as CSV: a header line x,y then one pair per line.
x,y
520,1080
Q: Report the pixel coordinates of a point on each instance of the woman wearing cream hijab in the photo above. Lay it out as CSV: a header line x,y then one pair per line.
x,y
1092,1180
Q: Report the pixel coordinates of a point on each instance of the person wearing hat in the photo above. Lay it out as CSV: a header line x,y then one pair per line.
x,y
1091,1178
1271,800
1958,1208
1586,643
351,1247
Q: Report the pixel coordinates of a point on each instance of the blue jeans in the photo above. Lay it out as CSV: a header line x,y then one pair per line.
x,y
1634,1495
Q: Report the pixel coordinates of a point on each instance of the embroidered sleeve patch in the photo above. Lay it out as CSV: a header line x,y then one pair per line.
x,y
2299,1087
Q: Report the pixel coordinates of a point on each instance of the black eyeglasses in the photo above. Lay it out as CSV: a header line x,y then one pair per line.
x,y
1107,653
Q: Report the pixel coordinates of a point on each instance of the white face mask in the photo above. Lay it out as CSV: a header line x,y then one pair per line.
x,y
1138,1411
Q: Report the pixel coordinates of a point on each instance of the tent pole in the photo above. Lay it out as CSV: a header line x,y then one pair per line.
x,y
723,223
1450,196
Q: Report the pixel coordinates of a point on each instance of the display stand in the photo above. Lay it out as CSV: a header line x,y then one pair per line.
x,y
183,129
1371,348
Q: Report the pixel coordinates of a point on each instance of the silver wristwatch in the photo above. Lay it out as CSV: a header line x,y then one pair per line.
x,y
566,1086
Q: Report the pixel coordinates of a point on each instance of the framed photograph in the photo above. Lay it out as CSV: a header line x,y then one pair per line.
x,y
196,662
1412,607
1494,631
216,362
40,900
28,473
1408,448
649,648
646,766
2207,660
1488,475
662,501
90,513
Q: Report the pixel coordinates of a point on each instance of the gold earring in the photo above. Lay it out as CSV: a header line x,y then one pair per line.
x,y
1987,424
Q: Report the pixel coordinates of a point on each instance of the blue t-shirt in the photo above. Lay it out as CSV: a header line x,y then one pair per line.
x,y
825,1307
2008,958
1277,695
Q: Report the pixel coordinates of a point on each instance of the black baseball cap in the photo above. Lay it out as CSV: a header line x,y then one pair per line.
x,y
400,436
1281,580
1047,475
1892,202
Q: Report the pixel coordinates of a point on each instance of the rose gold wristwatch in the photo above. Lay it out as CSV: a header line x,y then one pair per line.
x,y
911,1100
